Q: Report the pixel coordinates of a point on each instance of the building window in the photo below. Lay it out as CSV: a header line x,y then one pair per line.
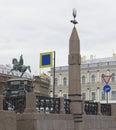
x,y
93,96
56,82
83,79
65,96
93,78
113,94
64,81
113,77
83,96
102,95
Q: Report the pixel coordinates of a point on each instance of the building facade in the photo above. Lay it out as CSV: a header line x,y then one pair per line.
x,y
91,79
41,85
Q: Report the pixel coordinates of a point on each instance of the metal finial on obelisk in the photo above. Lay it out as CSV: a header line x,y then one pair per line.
x,y
74,15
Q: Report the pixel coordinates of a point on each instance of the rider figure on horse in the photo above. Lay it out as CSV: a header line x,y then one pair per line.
x,y
18,66
21,60
20,63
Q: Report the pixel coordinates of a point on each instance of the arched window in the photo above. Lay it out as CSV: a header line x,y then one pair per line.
x,y
93,96
83,79
93,78
56,82
113,77
64,81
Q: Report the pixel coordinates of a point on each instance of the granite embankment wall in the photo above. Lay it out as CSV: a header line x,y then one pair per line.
x,y
93,122
8,120
34,121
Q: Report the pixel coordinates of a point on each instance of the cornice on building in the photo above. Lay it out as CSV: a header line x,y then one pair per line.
x,y
95,63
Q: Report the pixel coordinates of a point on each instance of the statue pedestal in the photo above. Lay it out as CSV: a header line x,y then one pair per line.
x,y
2,86
18,87
15,93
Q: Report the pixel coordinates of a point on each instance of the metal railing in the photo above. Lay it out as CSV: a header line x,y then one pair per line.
x,y
91,108
16,104
67,106
52,105
47,104
106,109
43,104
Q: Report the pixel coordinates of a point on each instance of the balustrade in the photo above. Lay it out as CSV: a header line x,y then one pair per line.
x,y
16,104
91,108
106,109
48,104
67,106
52,105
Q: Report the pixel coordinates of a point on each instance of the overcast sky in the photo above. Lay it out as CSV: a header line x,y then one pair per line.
x,y
30,27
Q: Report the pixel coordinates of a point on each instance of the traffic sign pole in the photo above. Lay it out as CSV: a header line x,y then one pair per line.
x,y
106,88
107,98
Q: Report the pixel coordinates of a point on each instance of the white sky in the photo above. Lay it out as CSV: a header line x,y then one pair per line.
x,y
30,27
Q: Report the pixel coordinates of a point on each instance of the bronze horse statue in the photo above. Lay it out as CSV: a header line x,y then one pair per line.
x,y
18,66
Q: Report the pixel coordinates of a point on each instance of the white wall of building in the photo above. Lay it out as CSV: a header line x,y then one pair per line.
x,y
91,79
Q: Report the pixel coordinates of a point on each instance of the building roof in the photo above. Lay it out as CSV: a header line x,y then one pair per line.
x,y
98,60
91,63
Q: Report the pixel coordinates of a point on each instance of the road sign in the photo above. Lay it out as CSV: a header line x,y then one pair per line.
x,y
106,88
45,59
106,78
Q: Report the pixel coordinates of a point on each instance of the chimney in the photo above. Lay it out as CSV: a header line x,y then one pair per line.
x,y
83,59
91,57
114,54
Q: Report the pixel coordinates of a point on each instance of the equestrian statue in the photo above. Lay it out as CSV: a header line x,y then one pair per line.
x,y
19,66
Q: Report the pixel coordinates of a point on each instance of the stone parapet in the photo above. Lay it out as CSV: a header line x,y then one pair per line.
x,y
8,120
62,110
98,122
1,102
37,121
30,102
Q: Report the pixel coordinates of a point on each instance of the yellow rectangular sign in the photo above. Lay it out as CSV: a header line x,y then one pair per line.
x,y
46,59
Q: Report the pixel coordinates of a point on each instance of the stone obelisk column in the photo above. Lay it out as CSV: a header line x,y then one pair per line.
x,y
74,76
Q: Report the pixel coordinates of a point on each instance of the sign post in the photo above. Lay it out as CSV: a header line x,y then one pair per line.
x,y
46,61
106,88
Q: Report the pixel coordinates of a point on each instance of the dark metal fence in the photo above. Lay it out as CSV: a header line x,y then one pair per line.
x,y
67,106
16,104
106,109
48,104
91,108
52,105
43,104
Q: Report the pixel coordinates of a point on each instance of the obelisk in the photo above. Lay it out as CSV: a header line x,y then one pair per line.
x,y
74,75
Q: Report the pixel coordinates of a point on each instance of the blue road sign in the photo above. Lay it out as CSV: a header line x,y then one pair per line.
x,y
106,88
45,59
